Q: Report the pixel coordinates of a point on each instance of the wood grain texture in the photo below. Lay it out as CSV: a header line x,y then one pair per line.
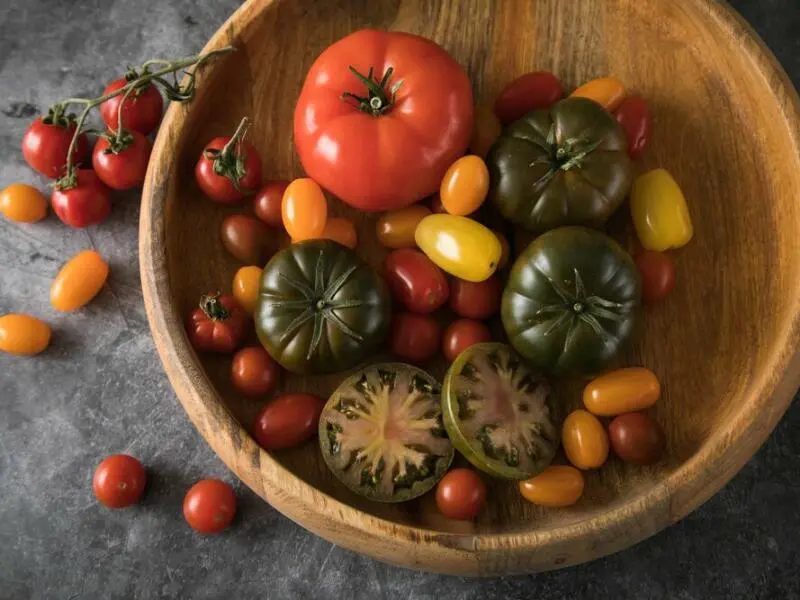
x,y
727,125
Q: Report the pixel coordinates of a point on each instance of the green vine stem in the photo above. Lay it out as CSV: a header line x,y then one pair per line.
x,y
229,162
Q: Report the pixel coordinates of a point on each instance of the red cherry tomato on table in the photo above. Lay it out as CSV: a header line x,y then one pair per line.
x,y
123,170
45,146
476,300
218,169
415,281
141,111
462,334
658,275
414,337
267,203
219,324
119,481
287,421
209,506
87,203
460,494
528,92
634,116
254,372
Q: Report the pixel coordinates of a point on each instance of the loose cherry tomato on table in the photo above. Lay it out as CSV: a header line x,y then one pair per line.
x,y
121,165
658,275
209,506
462,334
23,203
584,439
485,131
476,300
287,421
637,438
247,239
254,372
229,168
218,325
555,487
395,229
634,116
78,281
46,142
414,337
341,230
608,92
304,210
460,494
267,203
532,91
245,287
23,334
119,481
87,202
141,111
465,185
415,281
621,391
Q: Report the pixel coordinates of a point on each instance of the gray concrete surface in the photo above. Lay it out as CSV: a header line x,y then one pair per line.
x,y
100,389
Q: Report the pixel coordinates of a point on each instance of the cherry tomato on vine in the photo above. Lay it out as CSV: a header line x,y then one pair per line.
x,y
462,334
219,324
341,230
476,300
23,203
485,131
23,334
304,210
465,185
119,481
229,168
267,203
634,116
141,111
415,281
209,506
87,203
78,281
608,92
414,337
287,421
254,372
126,168
461,494
532,91
45,145
658,275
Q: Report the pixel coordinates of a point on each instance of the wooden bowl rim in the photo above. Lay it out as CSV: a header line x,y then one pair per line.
x,y
719,458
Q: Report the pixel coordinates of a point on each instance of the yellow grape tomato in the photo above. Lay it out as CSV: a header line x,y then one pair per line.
x,y
78,281
585,440
659,211
23,334
245,287
555,487
622,391
23,203
465,185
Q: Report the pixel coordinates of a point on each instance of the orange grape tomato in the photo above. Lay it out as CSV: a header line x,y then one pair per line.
x,y
395,229
485,131
622,391
23,203
585,440
304,210
78,281
555,487
465,185
608,92
506,249
23,334
245,287
341,230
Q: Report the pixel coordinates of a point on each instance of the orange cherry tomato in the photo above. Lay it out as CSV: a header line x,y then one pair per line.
x,y
23,334
608,92
78,281
465,185
119,481
506,249
485,131
341,230
395,229
555,487
622,391
245,287
209,506
23,203
304,210
584,439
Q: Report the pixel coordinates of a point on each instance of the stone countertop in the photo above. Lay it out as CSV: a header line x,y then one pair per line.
x,y
100,389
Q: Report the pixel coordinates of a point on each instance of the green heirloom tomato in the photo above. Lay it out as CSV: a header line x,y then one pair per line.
x,y
571,301
567,165
321,309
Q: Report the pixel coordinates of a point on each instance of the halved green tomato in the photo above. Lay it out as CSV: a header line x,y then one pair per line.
x,y
499,413
381,433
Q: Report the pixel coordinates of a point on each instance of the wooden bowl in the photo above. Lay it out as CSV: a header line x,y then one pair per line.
x,y
725,344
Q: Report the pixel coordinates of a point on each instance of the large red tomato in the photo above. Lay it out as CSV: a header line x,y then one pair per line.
x,y
381,117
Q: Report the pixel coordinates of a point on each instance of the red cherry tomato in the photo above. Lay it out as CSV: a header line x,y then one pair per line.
x,y
141,111
476,300
461,494
220,188
415,281
634,116
119,481
254,372
88,203
287,421
124,170
45,147
414,337
462,334
209,506
267,203
531,91
658,275
219,324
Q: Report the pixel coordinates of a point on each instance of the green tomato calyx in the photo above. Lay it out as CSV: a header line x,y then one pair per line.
x,y
378,100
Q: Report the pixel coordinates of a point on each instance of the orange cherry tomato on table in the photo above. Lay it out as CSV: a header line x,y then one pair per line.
x,y
218,325
395,229
637,438
462,334
304,210
123,167
88,202
141,111
78,281
415,281
584,439
341,230
608,92
658,275
555,487
460,494
247,239
209,506
476,300
267,203
23,334
245,287
254,372
229,168
621,391
634,116
23,203
465,185
287,421
119,481
532,91
46,142
485,131
414,337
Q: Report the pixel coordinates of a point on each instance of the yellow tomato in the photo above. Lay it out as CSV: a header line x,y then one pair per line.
x,y
341,230
485,131
245,287
23,203
555,487
462,247
395,229
622,391
465,185
585,440
659,211
23,334
78,281
608,92
304,210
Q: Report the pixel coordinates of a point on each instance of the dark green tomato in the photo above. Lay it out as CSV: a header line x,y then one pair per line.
x,y
567,165
321,309
571,301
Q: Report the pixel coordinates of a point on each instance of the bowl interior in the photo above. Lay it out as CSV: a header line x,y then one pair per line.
x,y
718,128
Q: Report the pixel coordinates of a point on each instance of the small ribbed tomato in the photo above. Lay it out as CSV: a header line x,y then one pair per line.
x,y
304,210
78,281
